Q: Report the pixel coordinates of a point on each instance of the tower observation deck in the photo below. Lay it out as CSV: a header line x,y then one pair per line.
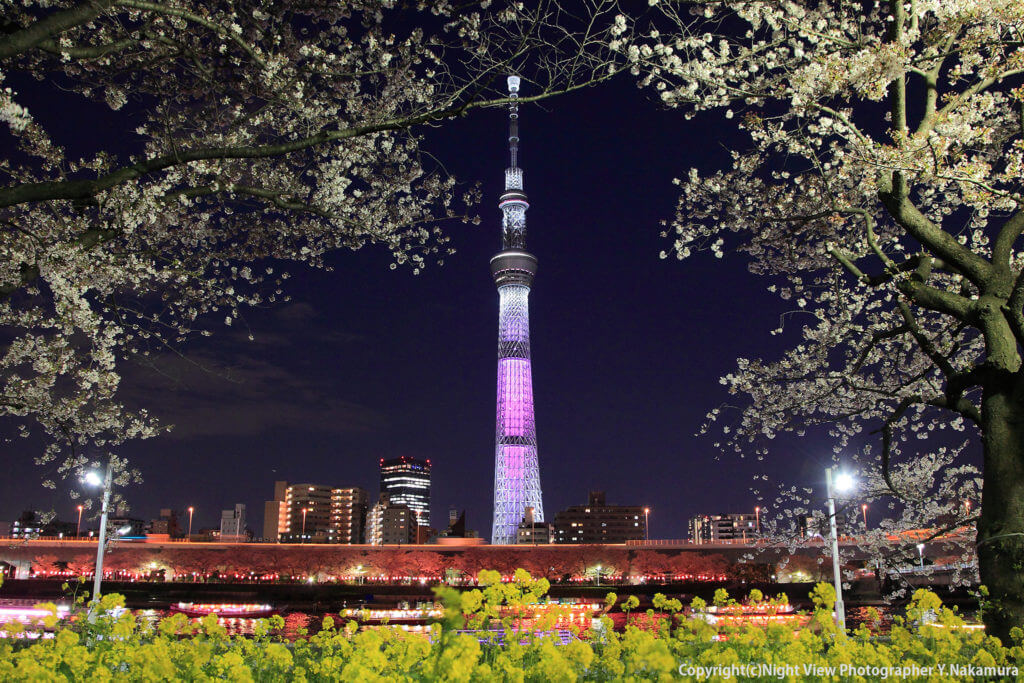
x,y
516,469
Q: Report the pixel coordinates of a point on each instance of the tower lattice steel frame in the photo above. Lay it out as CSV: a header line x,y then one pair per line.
x,y
516,469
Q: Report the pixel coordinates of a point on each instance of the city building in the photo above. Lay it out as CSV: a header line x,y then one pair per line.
x,y
456,528
516,468
740,527
390,523
599,522
27,526
407,482
275,513
166,524
532,532
232,525
314,513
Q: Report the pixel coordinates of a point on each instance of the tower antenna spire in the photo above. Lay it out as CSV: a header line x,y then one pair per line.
x,y
513,121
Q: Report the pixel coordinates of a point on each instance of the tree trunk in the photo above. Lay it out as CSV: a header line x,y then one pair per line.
x,y
1001,527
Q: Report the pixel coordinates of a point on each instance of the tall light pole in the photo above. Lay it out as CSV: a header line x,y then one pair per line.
x,y
864,509
304,511
78,529
757,517
94,479
190,511
843,483
920,555
647,528
598,575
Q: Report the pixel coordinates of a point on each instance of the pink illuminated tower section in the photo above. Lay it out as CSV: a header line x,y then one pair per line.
x,y
516,471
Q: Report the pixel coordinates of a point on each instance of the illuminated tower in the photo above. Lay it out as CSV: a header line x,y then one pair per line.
x,y
516,472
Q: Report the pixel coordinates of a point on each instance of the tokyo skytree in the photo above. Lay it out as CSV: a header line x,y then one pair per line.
x,y
516,471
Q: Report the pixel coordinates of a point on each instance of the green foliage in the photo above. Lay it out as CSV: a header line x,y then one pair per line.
x,y
116,645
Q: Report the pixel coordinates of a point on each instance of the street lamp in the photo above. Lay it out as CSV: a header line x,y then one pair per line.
x,y
304,511
598,575
93,479
647,528
843,483
920,555
78,529
190,511
864,509
757,516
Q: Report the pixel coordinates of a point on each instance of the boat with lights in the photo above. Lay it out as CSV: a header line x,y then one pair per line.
x,y
226,610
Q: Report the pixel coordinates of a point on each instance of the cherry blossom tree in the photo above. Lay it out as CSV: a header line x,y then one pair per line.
x,y
879,191
44,563
240,135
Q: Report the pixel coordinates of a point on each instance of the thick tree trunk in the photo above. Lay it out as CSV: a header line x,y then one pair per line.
x,y
1001,527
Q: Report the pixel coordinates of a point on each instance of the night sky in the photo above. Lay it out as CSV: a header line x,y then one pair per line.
x,y
368,363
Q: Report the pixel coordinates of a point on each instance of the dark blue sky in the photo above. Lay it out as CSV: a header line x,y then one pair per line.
x,y
367,362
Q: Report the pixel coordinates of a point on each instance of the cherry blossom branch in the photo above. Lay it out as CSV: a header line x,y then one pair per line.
x,y
1003,246
223,31
893,193
86,189
1014,309
53,25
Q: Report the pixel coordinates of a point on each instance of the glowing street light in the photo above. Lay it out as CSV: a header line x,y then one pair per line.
x,y
93,478
304,511
647,528
844,483
78,529
598,575
191,510
757,517
864,510
920,555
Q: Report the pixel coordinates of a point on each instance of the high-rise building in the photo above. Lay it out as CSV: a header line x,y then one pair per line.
x,y
516,468
390,523
598,522
232,525
407,482
314,513
723,528
275,513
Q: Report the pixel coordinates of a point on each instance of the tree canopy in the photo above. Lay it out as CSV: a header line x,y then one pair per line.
x,y
880,191
233,137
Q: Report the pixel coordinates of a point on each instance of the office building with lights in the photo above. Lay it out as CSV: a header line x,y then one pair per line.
x,y
599,522
725,528
390,523
406,481
314,513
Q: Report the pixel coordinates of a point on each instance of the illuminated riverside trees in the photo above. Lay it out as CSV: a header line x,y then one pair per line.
x,y
881,192
231,138
324,562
